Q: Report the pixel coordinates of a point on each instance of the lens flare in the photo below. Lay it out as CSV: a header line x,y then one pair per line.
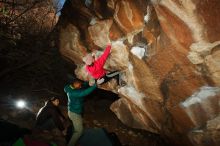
x,y
20,104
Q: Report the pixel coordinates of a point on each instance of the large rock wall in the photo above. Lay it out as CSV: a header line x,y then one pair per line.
x,y
169,55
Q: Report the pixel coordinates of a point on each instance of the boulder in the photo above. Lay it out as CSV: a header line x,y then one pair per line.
x,y
168,55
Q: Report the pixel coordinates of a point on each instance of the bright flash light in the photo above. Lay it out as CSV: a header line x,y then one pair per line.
x,y
20,104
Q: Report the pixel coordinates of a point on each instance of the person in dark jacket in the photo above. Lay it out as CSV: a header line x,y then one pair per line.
x,y
50,117
76,93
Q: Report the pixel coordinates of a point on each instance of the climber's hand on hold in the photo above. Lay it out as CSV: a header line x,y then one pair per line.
x,y
91,82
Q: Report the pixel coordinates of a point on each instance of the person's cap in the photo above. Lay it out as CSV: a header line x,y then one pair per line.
x,y
88,59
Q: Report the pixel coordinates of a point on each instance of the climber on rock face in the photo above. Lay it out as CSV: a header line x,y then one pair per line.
x,y
76,93
95,67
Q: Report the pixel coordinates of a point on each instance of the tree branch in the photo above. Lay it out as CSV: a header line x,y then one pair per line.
x,y
10,3
25,11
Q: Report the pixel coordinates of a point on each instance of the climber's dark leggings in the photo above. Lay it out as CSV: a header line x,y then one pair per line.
x,y
109,76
